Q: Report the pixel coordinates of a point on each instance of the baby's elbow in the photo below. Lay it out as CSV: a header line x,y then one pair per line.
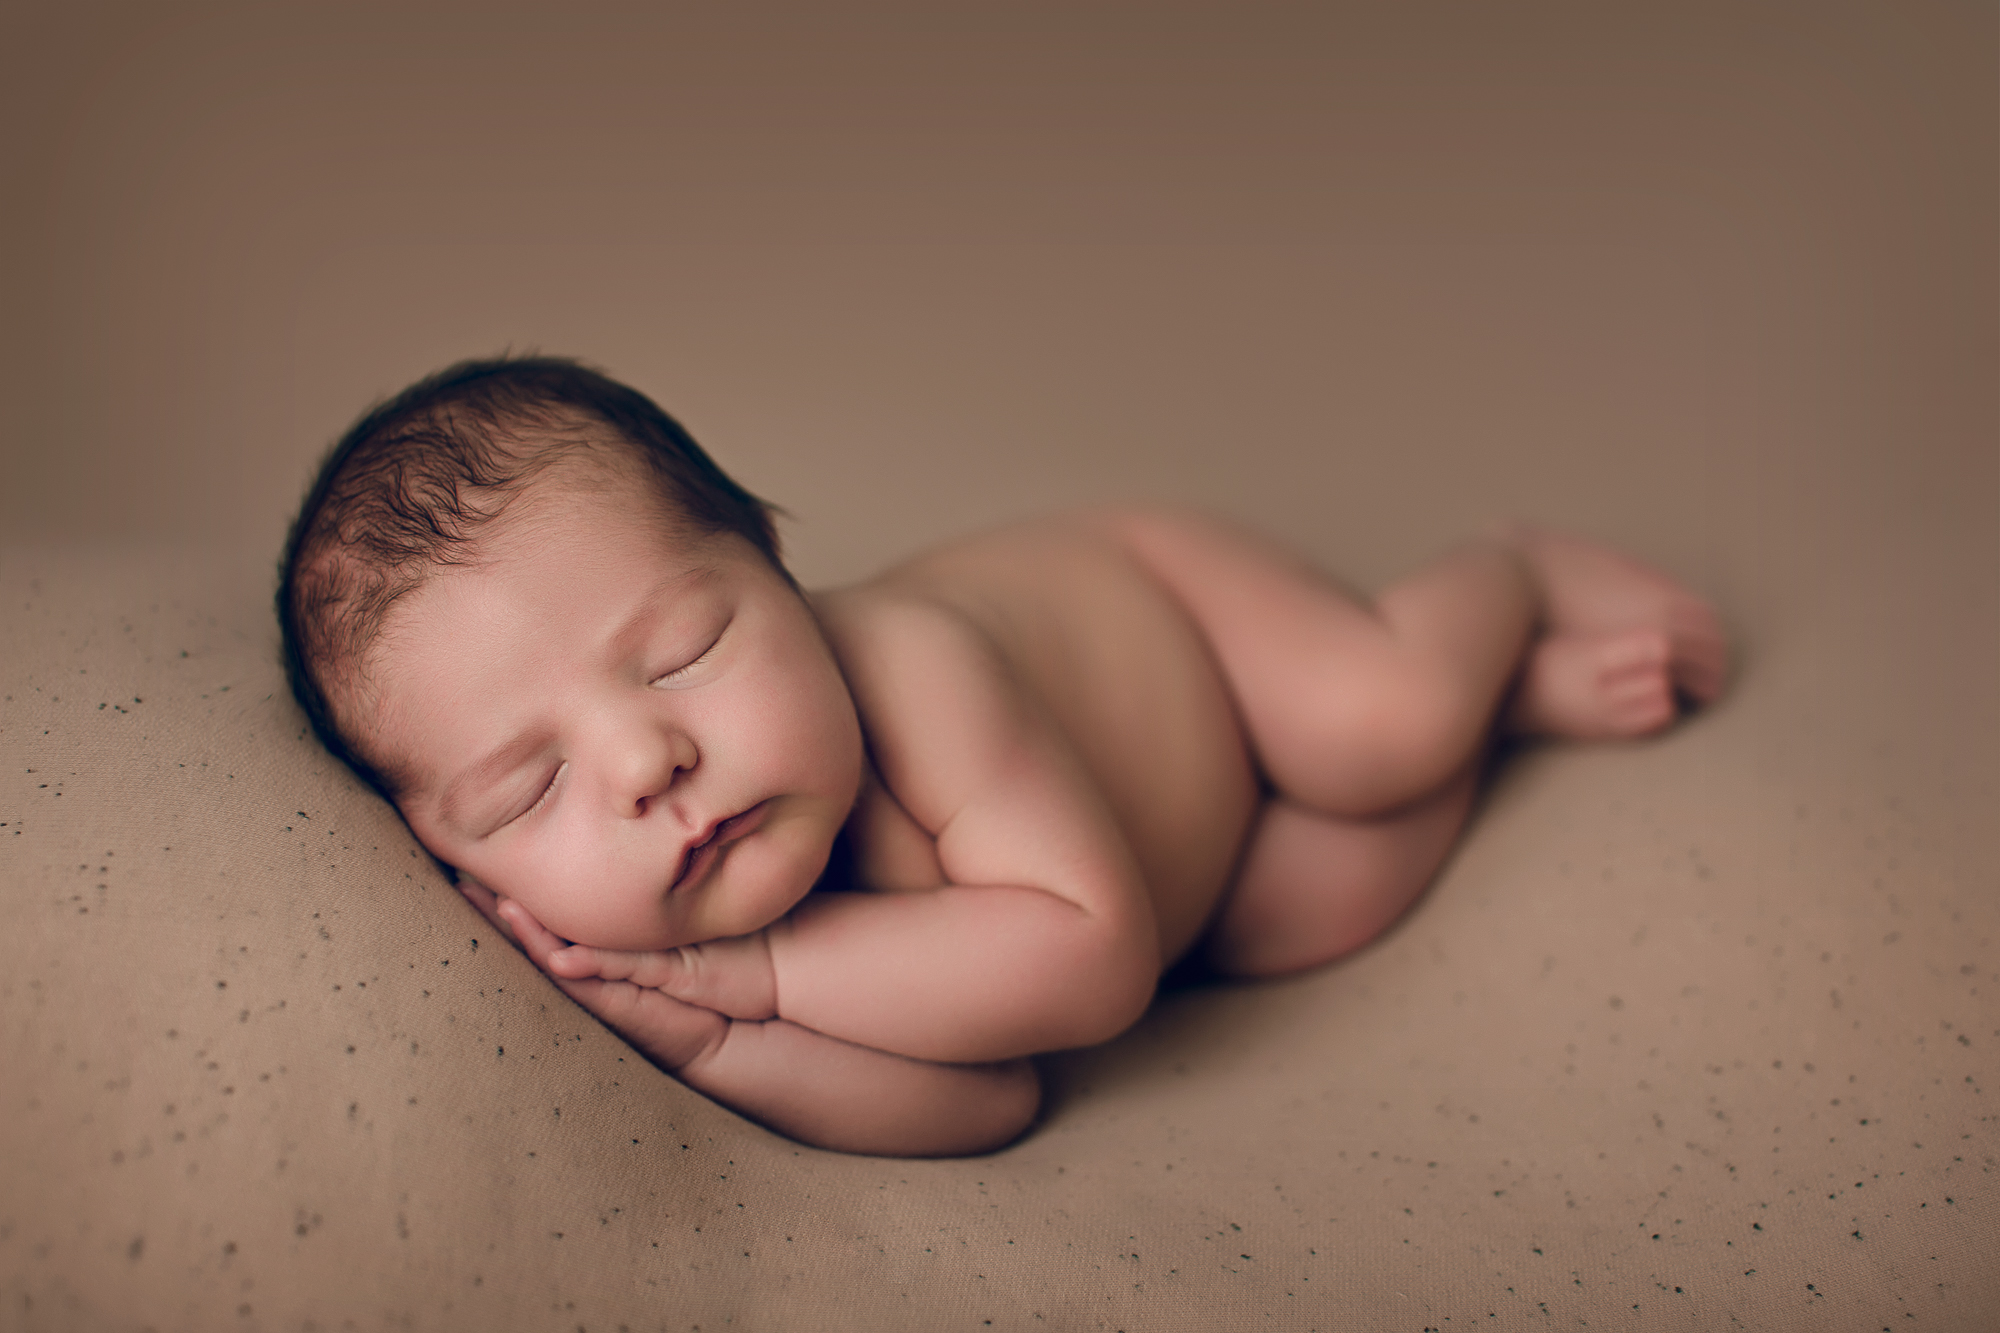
x,y
1006,1105
1116,977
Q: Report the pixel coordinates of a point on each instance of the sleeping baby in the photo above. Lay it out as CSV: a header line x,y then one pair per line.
x,y
844,860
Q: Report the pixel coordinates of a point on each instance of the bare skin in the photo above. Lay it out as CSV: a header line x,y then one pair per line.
x,y
1091,746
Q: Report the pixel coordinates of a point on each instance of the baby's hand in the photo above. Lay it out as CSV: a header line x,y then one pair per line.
x,y
668,1030
732,977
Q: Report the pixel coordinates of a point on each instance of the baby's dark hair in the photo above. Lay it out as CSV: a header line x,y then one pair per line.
x,y
406,489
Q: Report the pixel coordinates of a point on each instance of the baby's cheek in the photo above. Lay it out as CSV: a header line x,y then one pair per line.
x,y
541,889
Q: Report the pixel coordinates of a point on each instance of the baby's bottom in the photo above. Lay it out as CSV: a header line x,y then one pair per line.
x,y
1371,721
1314,886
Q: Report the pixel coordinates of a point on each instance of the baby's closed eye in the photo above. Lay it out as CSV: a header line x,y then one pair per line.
x,y
689,670
547,794
679,673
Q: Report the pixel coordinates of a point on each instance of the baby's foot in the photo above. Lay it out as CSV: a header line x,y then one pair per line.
x,y
1596,595
1595,687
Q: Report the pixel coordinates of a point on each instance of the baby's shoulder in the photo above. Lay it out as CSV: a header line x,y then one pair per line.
x,y
940,706
995,602
1021,579
914,663
1058,611
880,629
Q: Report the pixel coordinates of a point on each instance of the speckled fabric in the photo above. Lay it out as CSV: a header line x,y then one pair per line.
x,y
1702,1028
1702,1032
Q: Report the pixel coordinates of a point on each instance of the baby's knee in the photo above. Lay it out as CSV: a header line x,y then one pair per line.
x,y
1428,725
1383,742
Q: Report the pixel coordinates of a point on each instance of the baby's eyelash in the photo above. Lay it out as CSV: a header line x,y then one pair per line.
x,y
543,799
682,670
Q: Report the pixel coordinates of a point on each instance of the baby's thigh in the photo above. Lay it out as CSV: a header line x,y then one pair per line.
x,y
1314,672
1266,611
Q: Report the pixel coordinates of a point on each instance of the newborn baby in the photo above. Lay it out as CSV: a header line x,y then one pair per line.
x,y
843,860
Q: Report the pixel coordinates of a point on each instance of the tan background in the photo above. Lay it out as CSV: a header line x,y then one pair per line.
x,y
1718,282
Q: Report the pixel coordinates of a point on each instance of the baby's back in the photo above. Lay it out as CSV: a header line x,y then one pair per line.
x,y
1128,679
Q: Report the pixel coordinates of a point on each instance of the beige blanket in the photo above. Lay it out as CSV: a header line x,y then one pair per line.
x,y
1695,1033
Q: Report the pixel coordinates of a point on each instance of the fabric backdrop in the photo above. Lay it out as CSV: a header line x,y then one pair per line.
x,y
1699,1032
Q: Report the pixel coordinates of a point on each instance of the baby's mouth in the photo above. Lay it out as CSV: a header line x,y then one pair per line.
x,y
702,855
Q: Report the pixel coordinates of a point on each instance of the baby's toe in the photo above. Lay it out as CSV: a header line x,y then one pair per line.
x,y
1636,652
1699,664
1642,704
1635,683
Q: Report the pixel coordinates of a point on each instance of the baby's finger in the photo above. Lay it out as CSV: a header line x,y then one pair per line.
x,y
580,960
534,937
485,900
666,1029
659,969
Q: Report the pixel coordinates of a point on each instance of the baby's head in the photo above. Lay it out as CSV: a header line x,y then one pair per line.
x,y
522,603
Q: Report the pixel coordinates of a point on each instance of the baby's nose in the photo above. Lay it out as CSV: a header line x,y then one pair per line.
x,y
650,760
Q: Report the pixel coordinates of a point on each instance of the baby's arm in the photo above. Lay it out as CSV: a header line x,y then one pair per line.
x,y
1041,937
805,1085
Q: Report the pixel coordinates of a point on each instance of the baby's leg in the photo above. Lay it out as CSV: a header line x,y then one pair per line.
x,y
1314,886
1622,647
1351,710
1369,721
1356,710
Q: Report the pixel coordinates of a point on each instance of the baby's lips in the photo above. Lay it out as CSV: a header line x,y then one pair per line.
x,y
719,834
743,825
681,866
